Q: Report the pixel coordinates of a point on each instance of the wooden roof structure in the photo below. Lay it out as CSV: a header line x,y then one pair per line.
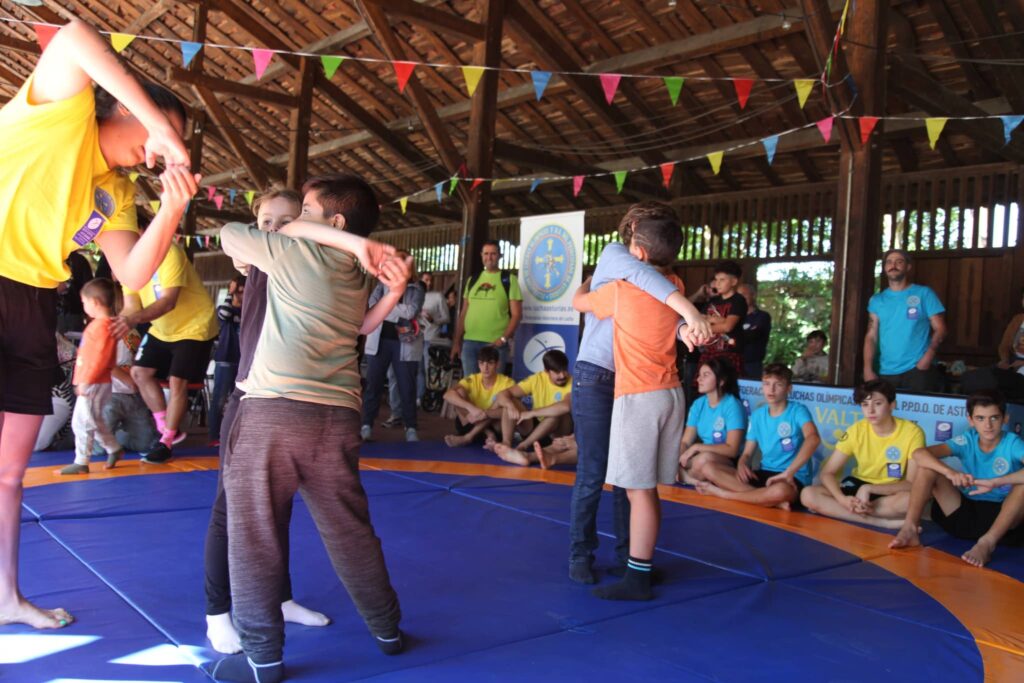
x,y
943,58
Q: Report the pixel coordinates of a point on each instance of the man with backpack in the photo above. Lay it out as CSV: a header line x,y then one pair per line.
x,y
492,307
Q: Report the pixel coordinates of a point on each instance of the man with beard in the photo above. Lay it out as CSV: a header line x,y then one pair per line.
x,y
907,326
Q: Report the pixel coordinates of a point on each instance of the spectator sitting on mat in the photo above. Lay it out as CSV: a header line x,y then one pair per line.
x,y
812,365
877,491
716,423
982,502
474,397
551,391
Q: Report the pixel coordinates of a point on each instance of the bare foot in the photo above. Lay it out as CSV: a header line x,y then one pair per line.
x,y
980,554
687,478
454,440
539,452
887,523
908,537
489,443
24,612
297,614
706,488
512,455
785,505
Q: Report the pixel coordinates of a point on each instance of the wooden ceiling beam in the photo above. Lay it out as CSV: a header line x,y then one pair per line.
x,y
152,13
435,19
11,77
985,22
220,116
905,153
18,45
958,46
222,85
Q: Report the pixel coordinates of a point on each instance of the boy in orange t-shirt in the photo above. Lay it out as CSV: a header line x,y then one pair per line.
x,y
97,355
647,418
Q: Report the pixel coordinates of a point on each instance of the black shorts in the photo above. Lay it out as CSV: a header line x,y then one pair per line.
x,y
761,478
28,348
851,485
186,359
973,519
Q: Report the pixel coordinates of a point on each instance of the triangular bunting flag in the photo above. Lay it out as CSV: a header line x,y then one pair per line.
x,y
452,184
154,204
825,127
540,82
666,173
803,90
577,185
219,201
177,239
44,34
133,176
770,143
260,59
231,195
188,240
610,85
249,196
1009,123
218,240
620,180
742,86
675,86
716,161
439,189
495,183
210,191
477,182
403,202
331,64
403,70
934,126
867,124
188,51
472,74
535,183
119,41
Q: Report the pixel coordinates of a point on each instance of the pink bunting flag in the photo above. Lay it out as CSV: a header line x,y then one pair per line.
x,y
610,84
867,124
742,86
44,34
261,58
577,185
666,173
219,201
210,191
403,70
825,127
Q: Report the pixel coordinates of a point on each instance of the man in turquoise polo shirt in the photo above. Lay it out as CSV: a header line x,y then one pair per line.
x,y
907,324
492,307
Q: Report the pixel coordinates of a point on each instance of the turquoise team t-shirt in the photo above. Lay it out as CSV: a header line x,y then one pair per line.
x,y
904,329
780,438
1007,457
714,423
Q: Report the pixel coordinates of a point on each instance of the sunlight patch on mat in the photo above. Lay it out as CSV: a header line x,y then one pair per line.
x,y
19,648
165,655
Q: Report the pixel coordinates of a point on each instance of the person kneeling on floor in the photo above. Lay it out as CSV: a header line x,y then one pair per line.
x,y
474,400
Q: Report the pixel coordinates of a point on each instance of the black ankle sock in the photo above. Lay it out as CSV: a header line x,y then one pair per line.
x,y
635,585
390,644
657,574
239,668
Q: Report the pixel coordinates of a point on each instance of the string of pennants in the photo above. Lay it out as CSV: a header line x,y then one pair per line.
x,y
202,241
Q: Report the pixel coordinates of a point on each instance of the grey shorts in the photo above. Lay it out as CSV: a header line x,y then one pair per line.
x,y
643,447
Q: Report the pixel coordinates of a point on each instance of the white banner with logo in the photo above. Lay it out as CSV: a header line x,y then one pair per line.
x,y
550,271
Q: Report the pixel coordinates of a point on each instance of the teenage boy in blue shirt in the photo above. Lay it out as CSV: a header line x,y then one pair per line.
x,y
984,501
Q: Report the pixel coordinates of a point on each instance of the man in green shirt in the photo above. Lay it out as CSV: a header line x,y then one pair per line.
x,y
492,307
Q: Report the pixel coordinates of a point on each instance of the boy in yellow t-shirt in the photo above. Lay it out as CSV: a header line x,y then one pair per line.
x,y
877,492
474,400
551,392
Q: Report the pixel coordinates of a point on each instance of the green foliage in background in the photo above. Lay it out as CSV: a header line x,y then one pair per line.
x,y
799,301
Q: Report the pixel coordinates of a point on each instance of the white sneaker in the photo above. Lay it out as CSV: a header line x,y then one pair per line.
x,y
365,432
410,434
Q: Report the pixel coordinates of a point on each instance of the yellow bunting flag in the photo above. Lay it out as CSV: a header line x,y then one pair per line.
x,y
716,161
120,41
249,196
935,126
403,202
155,205
803,90
188,240
133,176
472,74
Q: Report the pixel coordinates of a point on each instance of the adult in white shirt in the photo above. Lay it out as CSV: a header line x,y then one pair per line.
x,y
432,318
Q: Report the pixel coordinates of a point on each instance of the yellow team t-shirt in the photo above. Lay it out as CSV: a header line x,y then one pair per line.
x,y
479,395
194,316
881,459
543,391
56,191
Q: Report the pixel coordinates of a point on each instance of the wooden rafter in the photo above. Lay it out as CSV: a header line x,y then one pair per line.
x,y
298,137
985,23
220,116
223,85
432,18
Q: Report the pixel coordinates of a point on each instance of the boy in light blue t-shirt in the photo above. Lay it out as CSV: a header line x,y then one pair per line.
x,y
716,423
787,438
984,501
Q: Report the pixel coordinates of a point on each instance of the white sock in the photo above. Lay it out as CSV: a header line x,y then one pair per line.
x,y
222,633
297,614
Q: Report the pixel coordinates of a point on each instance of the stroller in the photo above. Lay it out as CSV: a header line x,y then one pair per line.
x,y
440,373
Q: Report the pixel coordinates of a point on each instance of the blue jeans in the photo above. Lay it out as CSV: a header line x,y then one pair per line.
x,y
470,349
224,375
593,395
388,353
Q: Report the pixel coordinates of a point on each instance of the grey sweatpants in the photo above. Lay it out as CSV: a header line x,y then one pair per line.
x,y
275,448
88,424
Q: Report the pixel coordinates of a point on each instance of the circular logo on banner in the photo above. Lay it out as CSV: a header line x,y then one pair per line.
x,y
538,345
892,453
784,429
104,202
549,263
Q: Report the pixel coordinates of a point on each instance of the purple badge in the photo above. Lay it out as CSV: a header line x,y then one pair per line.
x,y
894,470
943,431
87,233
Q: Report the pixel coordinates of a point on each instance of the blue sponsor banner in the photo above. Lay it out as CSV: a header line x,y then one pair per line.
x,y
533,340
833,410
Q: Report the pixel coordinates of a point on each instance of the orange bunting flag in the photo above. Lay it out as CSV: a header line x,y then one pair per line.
x,y
825,127
119,41
403,70
577,185
803,90
404,203
472,74
742,86
155,205
666,173
261,59
610,84
867,124
44,34
716,161
935,126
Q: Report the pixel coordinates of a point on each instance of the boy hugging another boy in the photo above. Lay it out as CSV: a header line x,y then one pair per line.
x,y
787,438
983,502
877,492
647,417
96,357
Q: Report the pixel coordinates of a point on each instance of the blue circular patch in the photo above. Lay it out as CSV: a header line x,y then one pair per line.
x,y
892,453
549,263
104,202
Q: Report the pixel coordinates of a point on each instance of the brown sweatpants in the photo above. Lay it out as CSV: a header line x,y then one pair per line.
x,y
277,447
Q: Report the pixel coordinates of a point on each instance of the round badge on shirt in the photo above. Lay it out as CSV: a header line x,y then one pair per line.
x,y
892,453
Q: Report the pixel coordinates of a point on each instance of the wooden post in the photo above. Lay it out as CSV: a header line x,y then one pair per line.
x,y
298,143
195,142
